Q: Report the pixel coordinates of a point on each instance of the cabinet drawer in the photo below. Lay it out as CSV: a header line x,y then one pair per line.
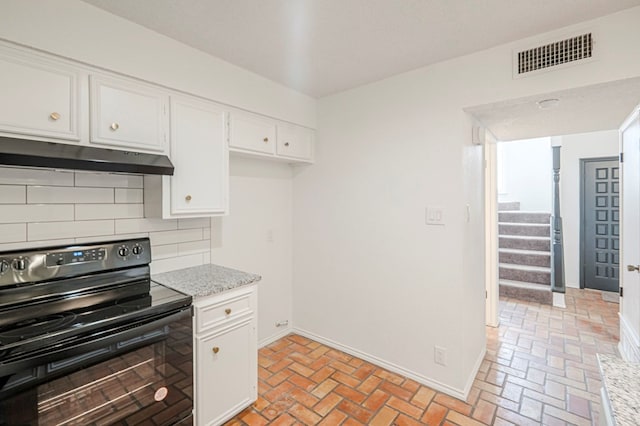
x,y
252,133
295,142
222,312
127,115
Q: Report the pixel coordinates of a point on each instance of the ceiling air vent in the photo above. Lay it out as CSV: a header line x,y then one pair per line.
x,y
553,54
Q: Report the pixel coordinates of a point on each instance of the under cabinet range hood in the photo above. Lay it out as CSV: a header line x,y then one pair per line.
x,y
29,153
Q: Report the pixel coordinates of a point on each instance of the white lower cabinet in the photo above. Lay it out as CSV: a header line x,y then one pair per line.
x,y
226,355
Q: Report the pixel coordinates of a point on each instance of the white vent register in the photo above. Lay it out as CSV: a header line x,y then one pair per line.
x,y
572,49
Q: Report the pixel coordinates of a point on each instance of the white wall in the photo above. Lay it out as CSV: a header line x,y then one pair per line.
x,y
524,167
574,148
257,236
76,30
368,273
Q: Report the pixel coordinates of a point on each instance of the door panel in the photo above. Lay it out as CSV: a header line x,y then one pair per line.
x,y
630,303
601,224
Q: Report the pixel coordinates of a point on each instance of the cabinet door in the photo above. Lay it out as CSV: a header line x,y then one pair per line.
x,y
127,115
295,142
226,373
200,157
38,97
252,133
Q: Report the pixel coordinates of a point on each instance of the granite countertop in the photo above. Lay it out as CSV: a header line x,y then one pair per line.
x,y
205,280
621,380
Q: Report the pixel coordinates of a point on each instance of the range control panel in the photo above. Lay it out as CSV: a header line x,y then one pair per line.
x,y
27,266
76,256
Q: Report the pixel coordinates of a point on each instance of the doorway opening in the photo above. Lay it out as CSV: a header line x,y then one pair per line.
x,y
524,219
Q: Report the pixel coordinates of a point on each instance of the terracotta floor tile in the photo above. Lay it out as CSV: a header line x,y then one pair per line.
x,y
327,404
540,368
384,417
434,414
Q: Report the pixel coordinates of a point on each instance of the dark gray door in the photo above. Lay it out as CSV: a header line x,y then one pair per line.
x,y
600,236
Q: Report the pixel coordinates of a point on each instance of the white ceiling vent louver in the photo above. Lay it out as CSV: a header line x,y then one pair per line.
x,y
572,49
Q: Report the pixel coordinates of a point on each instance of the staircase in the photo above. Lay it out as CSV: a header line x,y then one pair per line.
x,y
524,253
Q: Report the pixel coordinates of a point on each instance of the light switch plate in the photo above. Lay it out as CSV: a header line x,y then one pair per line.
x,y
435,215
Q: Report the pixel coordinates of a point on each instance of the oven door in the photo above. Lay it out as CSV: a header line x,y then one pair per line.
x,y
137,375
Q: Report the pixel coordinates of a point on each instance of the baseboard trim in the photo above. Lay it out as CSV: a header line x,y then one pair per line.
x,y
629,345
558,300
279,335
434,384
476,368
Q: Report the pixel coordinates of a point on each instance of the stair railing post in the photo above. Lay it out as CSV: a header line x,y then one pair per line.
x,y
557,251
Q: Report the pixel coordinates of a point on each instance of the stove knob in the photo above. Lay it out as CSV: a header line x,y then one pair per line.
x,y
4,266
137,250
123,251
20,264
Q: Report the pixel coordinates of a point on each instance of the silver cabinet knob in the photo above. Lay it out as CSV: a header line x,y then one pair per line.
x,y
114,126
188,198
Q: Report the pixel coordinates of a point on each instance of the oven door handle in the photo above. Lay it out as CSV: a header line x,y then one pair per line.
x,y
93,343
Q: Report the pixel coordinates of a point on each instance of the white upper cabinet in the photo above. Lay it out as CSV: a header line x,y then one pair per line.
x,y
128,114
199,154
260,136
252,133
38,97
200,157
295,142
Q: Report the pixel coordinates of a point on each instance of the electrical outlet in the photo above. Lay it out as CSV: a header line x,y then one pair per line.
x,y
434,215
282,323
440,356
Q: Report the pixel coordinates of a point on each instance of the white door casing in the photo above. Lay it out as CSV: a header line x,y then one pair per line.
x,y
630,238
491,229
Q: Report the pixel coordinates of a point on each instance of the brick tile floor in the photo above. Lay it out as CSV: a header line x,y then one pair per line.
x,y
540,368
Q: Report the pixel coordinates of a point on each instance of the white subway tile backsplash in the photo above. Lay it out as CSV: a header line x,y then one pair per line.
x,y
200,222
34,244
25,176
173,263
108,180
131,196
19,213
193,247
171,237
13,232
85,228
108,211
12,194
163,252
124,226
68,195
42,208
101,238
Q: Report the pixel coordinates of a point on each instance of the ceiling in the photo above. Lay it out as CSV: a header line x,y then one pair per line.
x,y
320,47
581,110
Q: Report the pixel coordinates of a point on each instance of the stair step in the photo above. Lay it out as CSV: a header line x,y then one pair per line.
x,y
524,257
524,217
522,273
526,291
524,242
509,206
524,229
